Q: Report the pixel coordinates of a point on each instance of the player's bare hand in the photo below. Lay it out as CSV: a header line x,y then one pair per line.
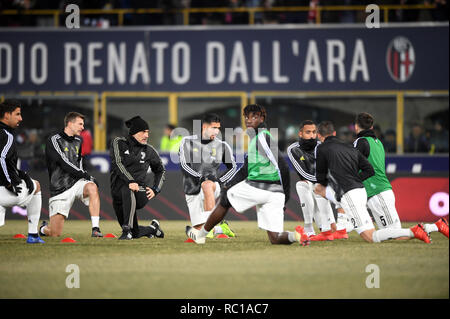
x,y
319,189
134,187
150,192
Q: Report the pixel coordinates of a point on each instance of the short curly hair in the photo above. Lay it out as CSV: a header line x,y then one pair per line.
x,y
255,108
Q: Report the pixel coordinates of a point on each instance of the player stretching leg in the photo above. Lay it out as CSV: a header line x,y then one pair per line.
x,y
68,179
301,155
263,181
200,160
344,168
381,198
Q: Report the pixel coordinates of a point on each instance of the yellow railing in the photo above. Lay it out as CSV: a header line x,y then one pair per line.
x,y
251,11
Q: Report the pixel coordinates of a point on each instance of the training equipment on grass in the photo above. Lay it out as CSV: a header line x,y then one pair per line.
x,y
19,236
68,240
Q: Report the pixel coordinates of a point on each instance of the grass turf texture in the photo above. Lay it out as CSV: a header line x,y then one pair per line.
x,y
247,266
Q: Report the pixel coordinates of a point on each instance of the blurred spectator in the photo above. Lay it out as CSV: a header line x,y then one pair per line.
x,y
345,134
416,141
390,141
438,139
170,143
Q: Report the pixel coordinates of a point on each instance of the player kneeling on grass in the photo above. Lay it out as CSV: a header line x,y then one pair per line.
x,y
68,179
200,160
131,158
16,187
340,171
263,181
381,198
302,157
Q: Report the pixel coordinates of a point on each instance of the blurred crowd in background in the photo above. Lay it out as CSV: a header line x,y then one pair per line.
x,y
425,140
171,13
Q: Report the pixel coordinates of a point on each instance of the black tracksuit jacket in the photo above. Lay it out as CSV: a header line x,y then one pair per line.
x,y
9,174
201,160
303,161
64,162
341,165
130,161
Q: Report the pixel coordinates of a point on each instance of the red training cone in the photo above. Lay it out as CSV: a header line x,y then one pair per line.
x,y
19,236
68,240
189,240
222,236
110,235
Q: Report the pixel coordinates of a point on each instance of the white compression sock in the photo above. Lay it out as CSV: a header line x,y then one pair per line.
x,y
203,231
390,233
325,212
306,201
95,221
430,228
343,223
291,237
34,212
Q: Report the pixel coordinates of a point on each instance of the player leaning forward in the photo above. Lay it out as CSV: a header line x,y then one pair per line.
x,y
263,181
16,187
131,159
381,198
340,170
200,160
68,179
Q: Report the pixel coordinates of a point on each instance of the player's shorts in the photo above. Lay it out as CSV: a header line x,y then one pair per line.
x,y
196,207
354,203
8,199
383,210
269,205
62,203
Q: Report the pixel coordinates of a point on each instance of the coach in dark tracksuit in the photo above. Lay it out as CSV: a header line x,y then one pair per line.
x,y
131,157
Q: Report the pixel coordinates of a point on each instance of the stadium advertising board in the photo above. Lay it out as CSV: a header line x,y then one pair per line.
x,y
215,59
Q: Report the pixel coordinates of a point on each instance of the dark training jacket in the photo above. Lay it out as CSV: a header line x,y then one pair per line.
x,y
130,163
303,161
341,165
201,160
64,162
9,173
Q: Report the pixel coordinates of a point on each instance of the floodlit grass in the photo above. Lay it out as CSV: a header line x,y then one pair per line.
x,y
247,266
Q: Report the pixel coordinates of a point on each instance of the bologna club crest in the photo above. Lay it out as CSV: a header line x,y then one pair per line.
x,y
400,59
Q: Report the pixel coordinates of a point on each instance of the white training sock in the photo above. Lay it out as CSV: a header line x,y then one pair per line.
x,y
430,227
95,221
391,233
309,229
291,237
34,213
325,212
306,201
203,231
342,223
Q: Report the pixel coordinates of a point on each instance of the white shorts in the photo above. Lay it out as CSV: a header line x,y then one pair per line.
x,y
196,207
8,199
269,205
62,203
354,203
383,210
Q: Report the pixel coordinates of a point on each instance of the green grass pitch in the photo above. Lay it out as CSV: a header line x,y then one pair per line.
x,y
247,266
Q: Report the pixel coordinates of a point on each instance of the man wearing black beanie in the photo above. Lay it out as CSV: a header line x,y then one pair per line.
x,y
131,158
